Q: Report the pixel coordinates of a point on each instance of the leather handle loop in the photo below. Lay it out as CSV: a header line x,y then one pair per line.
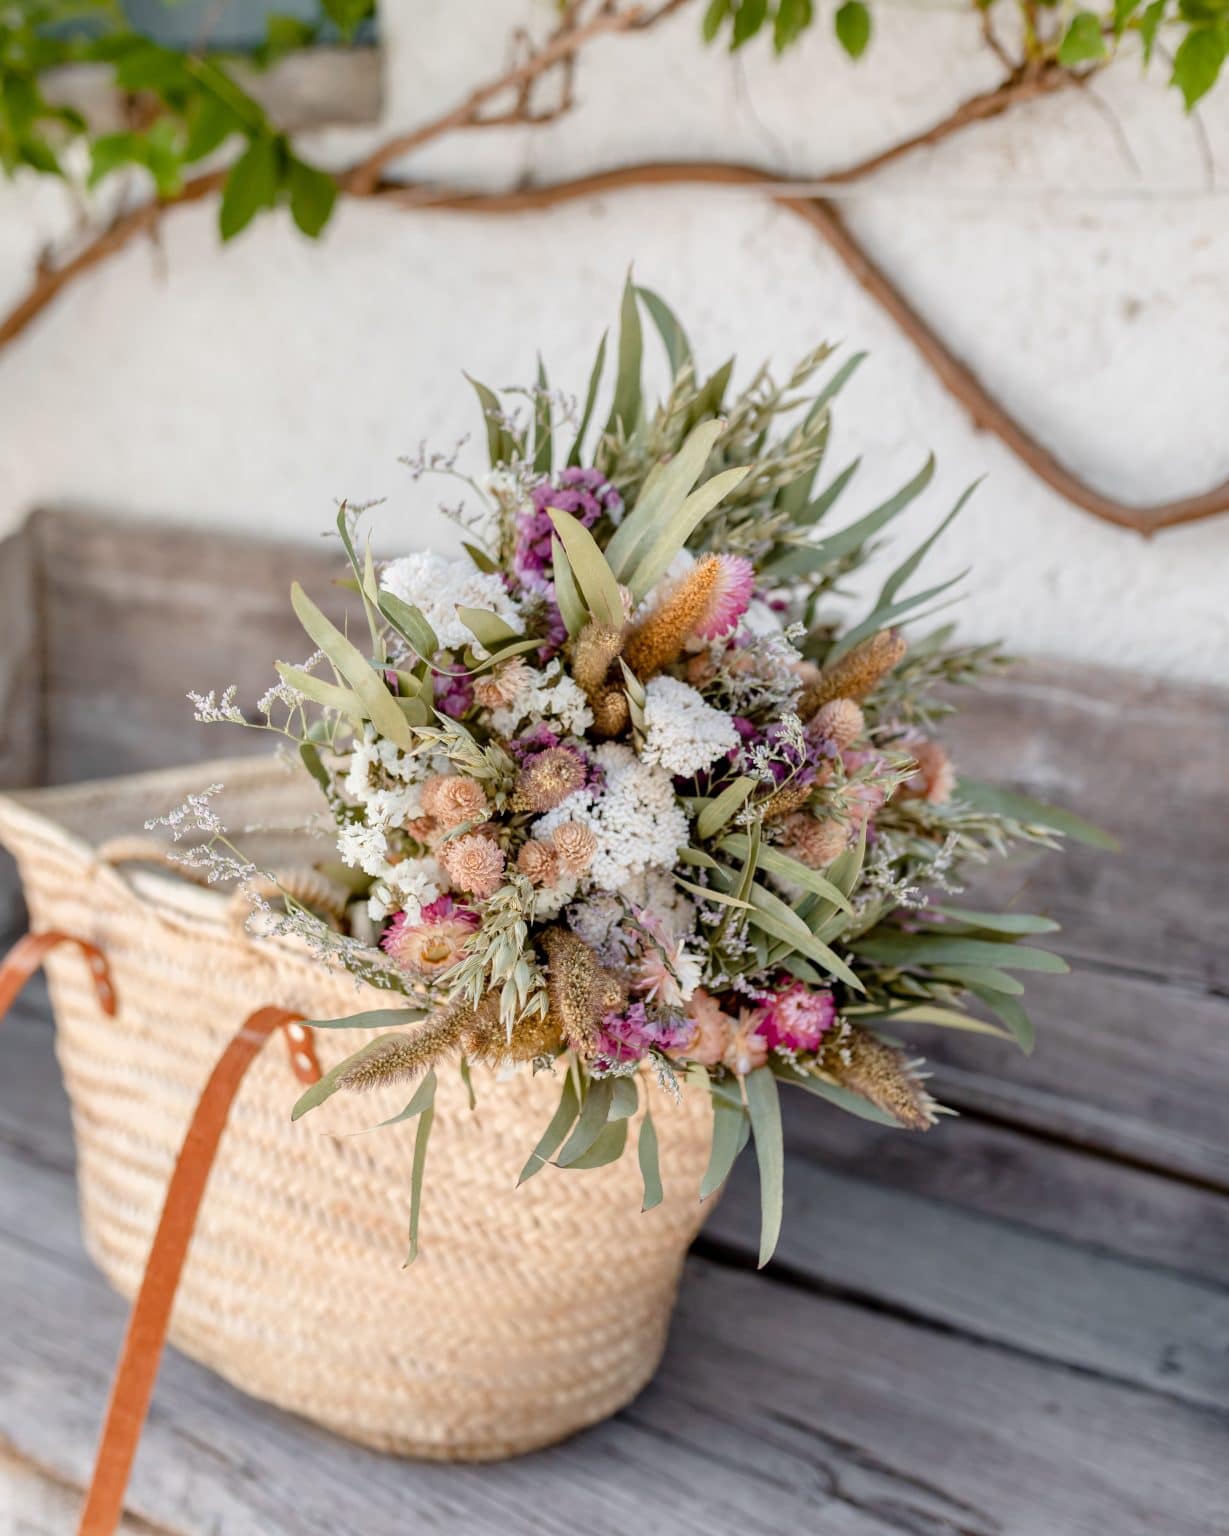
x,y
30,951
151,1313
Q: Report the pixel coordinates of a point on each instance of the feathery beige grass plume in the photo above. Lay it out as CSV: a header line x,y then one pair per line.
x,y
593,653
581,991
882,1073
857,674
660,636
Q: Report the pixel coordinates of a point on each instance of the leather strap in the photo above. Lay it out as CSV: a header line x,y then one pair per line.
x,y
151,1313
30,951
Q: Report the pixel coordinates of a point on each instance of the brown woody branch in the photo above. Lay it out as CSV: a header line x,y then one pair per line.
x,y
1026,82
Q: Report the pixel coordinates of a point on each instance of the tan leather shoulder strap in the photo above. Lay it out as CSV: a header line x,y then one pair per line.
x,y
151,1313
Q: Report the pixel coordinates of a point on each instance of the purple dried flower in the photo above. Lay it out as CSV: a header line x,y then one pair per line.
x,y
585,493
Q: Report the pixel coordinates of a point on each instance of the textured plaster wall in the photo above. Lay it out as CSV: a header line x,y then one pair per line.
x,y
1087,284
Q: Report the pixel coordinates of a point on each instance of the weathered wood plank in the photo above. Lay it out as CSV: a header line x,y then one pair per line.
x,y
991,1279
1124,1064
1148,760
138,614
776,1409
1038,1184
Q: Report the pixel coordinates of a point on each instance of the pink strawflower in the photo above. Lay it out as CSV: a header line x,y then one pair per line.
x,y
795,1019
730,599
435,942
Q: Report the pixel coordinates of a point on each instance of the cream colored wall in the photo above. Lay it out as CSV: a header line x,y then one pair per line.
x,y
250,386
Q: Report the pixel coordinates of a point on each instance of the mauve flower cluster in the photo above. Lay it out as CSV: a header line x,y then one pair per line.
x,y
585,493
628,1037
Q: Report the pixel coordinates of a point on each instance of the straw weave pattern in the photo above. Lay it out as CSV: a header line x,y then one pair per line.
x,y
528,1314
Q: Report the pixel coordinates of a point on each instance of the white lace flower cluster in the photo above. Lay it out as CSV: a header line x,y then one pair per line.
x,y
549,696
386,785
683,733
638,823
437,584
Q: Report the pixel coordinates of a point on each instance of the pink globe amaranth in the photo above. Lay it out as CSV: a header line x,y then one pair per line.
x,y
795,1018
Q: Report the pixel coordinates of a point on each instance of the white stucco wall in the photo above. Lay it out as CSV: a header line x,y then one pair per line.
x,y
249,387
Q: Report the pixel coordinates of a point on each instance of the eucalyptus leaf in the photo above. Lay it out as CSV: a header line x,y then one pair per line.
x,y
650,1171
661,547
624,1099
567,595
594,1114
593,575
731,1128
843,1098
665,487
410,623
561,1123
499,442
423,1099
490,631
625,407
595,379
928,949
607,1147
1000,922
330,695
378,704
426,1121
716,813
674,338
764,1106
778,863
378,1018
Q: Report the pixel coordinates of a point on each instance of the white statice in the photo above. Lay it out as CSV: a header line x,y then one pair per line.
x,y
551,695
635,817
437,584
363,847
683,733
407,886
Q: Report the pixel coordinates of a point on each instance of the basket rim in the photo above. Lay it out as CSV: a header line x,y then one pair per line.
x,y
32,811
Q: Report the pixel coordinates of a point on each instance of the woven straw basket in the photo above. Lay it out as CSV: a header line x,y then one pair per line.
x,y
529,1312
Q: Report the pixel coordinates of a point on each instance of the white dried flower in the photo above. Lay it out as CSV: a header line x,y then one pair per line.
x,y
635,817
682,732
549,695
437,584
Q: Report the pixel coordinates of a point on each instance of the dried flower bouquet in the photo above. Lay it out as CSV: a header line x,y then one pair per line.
x,y
619,787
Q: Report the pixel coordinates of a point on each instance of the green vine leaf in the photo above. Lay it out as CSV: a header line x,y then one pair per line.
x,y
853,28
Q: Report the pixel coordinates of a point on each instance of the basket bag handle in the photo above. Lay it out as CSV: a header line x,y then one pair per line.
x,y
151,1312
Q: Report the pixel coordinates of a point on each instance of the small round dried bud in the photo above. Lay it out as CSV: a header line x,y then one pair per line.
x,y
452,799
538,862
813,842
934,778
547,779
610,712
840,721
474,863
575,844
502,684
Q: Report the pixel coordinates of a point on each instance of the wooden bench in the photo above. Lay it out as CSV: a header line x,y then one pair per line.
x,y
1015,1326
